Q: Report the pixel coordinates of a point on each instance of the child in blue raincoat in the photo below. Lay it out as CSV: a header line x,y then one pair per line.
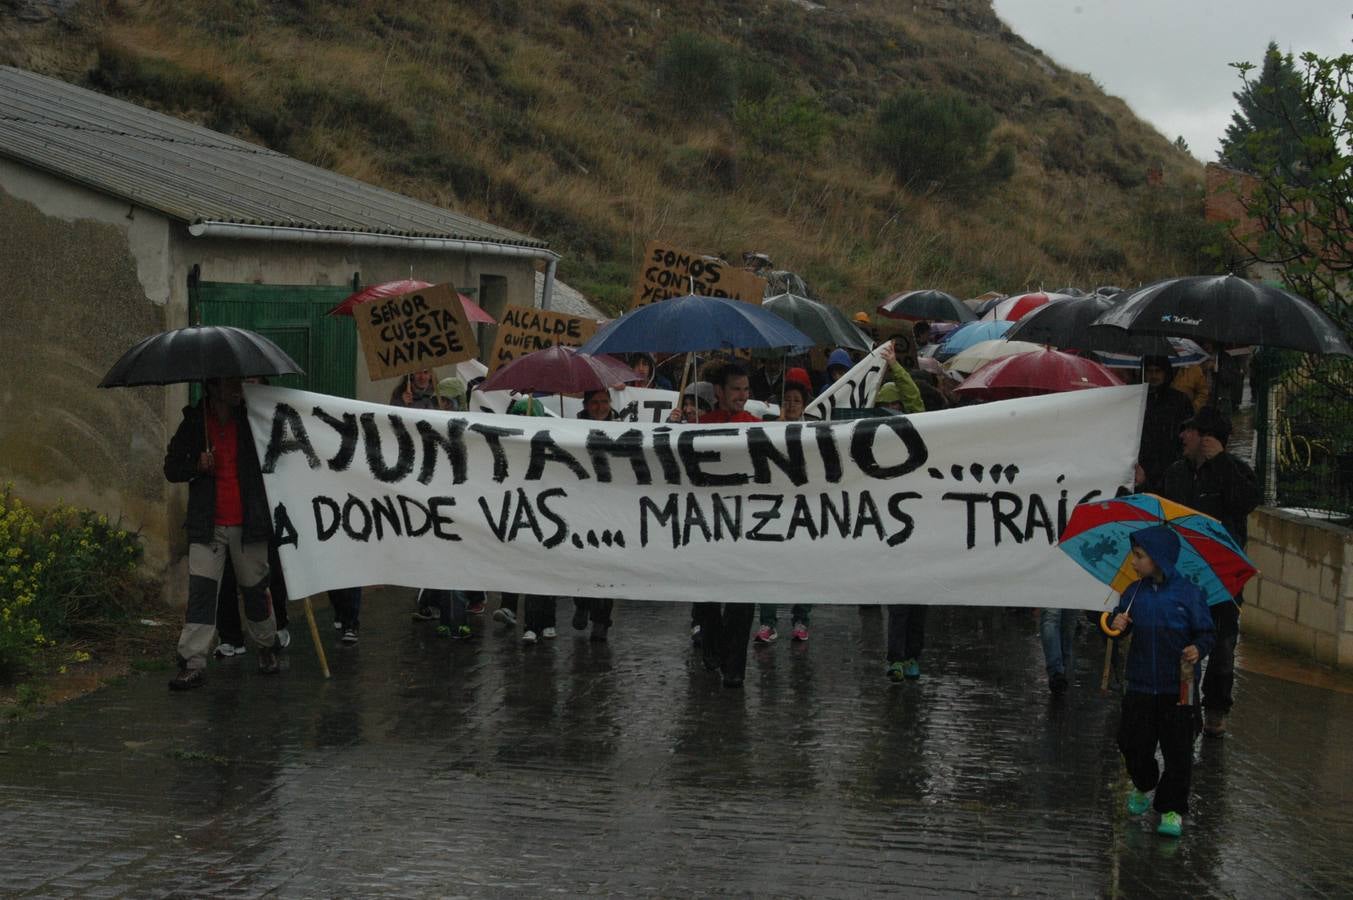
x,y
1171,625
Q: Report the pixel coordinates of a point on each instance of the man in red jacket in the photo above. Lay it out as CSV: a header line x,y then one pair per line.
x,y
726,628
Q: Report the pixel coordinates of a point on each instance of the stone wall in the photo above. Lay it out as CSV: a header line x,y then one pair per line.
x,y
1301,597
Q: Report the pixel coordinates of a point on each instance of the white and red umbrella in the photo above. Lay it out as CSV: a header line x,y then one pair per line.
x,y
1044,371
1012,309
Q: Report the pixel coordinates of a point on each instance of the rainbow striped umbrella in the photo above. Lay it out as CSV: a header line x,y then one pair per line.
x,y
1097,537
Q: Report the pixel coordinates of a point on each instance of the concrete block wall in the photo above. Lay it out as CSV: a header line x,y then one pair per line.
x,y
1302,595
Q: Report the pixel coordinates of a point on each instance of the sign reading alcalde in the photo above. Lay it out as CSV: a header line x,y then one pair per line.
x,y
668,271
417,330
523,330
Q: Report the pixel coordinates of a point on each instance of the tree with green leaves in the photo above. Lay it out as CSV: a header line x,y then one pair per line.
x,y
1272,120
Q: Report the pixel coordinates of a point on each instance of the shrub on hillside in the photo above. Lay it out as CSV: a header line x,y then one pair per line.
x,y
792,126
60,569
695,74
938,137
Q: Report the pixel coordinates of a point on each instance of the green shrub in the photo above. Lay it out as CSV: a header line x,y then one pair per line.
x,y
696,74
60,569
792,126
937,137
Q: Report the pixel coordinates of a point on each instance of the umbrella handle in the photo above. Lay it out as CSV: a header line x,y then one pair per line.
x,y
1104,626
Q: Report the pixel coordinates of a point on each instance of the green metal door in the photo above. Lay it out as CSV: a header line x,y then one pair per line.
x,y
293,316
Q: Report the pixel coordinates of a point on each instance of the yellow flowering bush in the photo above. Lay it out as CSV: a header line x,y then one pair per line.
x,y
60,568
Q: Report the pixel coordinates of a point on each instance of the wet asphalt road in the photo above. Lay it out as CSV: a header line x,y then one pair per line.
x,y
427,768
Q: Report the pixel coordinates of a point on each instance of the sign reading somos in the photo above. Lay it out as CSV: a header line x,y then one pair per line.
x,y
668,271
414,331
960,506
523,330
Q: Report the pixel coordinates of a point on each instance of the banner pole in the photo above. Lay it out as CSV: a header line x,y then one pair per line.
x,y
314,636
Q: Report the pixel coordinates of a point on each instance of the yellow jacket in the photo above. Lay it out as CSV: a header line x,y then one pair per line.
x,y
1191,381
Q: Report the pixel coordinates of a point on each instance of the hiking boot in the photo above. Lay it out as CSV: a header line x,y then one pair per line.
x,y
548,633
475,608
579,618
598,632
1137,802
267,662
283,639
695,635
1214,724
349,634
505,616
911,669
765,635
528,636
896,672
1057,683
225,650
1171,824
800,632
424,614
187,679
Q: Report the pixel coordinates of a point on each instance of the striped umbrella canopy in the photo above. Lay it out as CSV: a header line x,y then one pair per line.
x,y
1012,309
1098,538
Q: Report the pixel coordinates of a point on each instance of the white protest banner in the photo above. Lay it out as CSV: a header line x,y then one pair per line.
x,y
854,390
417,330
525,329
961,506
668,271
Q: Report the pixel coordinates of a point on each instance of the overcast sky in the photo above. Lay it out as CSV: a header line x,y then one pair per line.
x,y
1169,58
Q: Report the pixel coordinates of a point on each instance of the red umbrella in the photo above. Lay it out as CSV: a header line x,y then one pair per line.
x,y
1012,309
1030,374
560,370
473,311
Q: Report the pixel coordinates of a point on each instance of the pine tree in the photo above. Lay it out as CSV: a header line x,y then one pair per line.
x,y
1268,129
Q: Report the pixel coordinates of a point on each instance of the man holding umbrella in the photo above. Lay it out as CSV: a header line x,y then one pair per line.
x,y
1222,486
213,452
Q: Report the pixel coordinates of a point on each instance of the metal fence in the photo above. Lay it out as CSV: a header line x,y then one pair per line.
x,y
1304,431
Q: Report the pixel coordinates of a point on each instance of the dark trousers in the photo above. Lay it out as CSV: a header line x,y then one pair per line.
x,y
451,606
1148,720
347,606
540,612
1219,677
725,630
594,609
906,631
228,623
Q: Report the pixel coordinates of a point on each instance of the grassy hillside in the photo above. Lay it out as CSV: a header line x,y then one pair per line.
x,y
724,126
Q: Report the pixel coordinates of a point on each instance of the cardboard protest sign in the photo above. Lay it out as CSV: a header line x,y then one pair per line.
x,y
413,331
668,271
967,502
525,329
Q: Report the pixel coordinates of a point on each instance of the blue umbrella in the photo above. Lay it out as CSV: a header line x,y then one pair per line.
x,y
969,334
693,323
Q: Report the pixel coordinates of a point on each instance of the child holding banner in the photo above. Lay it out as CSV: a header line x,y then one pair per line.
x,y
1172,625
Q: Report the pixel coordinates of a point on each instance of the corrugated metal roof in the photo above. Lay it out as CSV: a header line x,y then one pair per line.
x,y
195,174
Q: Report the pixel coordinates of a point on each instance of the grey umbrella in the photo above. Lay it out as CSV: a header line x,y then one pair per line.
x,y
199,353
823,323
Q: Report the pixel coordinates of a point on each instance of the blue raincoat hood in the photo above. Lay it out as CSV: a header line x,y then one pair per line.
x,y
839,357
1161,544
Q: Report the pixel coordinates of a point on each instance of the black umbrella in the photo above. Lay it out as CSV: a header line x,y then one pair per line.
x,y
824,323
936,306
1066,324
1228,310
199,353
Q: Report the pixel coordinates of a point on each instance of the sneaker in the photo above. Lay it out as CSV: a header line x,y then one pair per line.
x,y
505,615
528,636
1214,724
444,631
695,635
800,632
350,635
598,632
267,662
283,639
579,618
911,669
896,672
461,633
225,651
1057,683
732,681
1171,824
338,624
765,635
1137,802
549,633
424,614
476,608
187,679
